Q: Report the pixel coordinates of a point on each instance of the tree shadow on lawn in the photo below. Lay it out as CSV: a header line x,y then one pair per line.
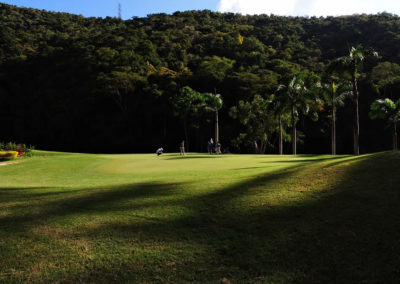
x,y
12,190
347,233
323,231
28,192
294,160
86,200
188,157
252,168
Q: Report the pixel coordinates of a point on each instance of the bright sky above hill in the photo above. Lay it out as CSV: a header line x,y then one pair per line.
x,y
130,8
310,7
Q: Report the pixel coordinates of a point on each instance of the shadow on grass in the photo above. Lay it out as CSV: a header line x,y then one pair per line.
x,y
293,161
65,203
348,231
8,194
12,190
250,168
189,157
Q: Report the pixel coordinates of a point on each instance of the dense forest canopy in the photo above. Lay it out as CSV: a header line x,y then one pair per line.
x,y
107,85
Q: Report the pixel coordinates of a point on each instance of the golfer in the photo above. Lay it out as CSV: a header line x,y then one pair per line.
x,y
160,151
182,147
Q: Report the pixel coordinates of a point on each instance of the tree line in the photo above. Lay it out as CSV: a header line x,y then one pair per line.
x,y
285,84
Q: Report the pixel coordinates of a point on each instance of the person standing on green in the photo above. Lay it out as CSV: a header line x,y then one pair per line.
x,y
182,148
218,148
210,145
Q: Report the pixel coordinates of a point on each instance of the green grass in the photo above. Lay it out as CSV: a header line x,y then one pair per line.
x,y
70,218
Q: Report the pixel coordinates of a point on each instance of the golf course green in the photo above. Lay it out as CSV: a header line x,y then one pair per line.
x,y
70,218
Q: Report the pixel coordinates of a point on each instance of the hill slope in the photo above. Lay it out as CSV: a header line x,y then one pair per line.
x,y
62,76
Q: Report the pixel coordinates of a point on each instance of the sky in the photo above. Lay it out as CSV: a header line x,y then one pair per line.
x,y
141,8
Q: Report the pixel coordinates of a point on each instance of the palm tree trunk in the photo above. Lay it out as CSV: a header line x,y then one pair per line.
x,y
333,136
395,138
280,137
356,120
216,128
186,134
356,130
262,147
294,138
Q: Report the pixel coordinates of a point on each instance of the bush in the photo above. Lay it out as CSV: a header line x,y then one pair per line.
x,y
7,156
22,149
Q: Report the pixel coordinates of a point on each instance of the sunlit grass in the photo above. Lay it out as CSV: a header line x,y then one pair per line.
x,y
200,218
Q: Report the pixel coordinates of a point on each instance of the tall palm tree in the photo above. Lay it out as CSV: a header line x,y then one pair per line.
x,y
390,111
334,95
295,96
281,113
351,66
214,103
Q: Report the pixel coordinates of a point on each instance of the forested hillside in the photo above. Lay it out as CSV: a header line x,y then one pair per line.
x,y
106,85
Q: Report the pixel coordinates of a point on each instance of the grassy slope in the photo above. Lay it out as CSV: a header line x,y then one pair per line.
x,y
251,219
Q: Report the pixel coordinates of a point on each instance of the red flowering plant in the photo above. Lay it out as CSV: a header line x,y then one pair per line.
x,y
19,150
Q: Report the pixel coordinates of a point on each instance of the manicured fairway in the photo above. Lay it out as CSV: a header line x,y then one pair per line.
x,y
70,218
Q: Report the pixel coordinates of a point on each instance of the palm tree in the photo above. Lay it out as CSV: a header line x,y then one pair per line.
x,y
334,95
213,102
281,114
351,66
390,111
295,96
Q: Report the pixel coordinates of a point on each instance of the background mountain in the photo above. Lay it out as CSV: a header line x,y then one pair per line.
x,y
72,83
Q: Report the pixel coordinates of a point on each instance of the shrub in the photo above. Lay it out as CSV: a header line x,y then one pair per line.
x,y
22,149
9,155
27,150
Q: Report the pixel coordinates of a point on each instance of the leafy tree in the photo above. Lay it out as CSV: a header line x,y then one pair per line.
x,y
54,65
258,120
215,68
390,111
187,103
385,76
121,85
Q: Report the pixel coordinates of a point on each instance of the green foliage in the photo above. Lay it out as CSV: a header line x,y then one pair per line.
x,y
54,66
259,121
120,80
8,146
386,109
299,96
213,102
27,150
215,68
385,74
335,94
390,111
187,102
351,65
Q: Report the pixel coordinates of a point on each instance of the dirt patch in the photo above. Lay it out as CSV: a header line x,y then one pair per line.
x,y
9,163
